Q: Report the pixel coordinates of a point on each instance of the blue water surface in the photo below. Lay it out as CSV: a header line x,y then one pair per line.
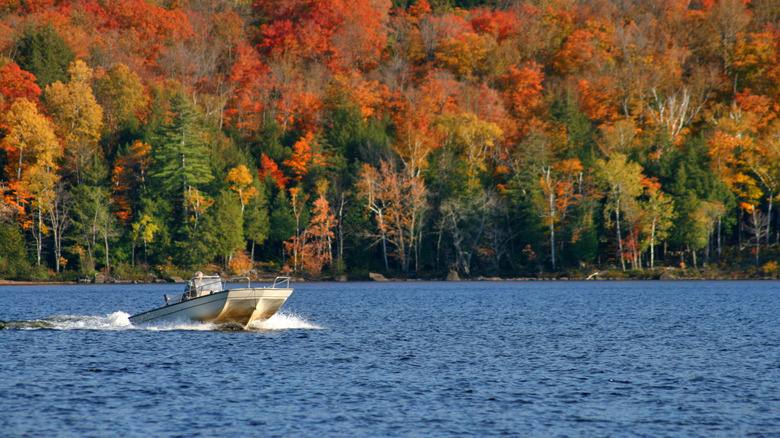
x,y
400,359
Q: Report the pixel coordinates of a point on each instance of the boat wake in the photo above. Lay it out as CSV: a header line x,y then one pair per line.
x,y
114,321
120,321
284,321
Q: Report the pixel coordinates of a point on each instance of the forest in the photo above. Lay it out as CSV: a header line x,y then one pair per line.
x,y
324,138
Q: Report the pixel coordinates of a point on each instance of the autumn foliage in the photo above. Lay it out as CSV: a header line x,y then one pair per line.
x,y
336,136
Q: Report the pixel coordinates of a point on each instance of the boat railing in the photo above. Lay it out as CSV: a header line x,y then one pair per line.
x,y
281,280
277,281
235,280
206,285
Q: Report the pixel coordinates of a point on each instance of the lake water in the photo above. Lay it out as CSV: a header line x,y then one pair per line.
x,y
400,359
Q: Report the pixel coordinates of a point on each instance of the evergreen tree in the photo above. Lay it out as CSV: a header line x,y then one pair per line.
x,y
44,53
282,223
580,132
256,221
180,150
13,256
93,223
221,232
694,187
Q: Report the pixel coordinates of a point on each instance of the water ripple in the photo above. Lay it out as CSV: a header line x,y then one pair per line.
x,y
420,359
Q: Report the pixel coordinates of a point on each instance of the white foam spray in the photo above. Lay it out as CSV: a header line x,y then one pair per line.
x,y
113,321
121,321
284,321
178,325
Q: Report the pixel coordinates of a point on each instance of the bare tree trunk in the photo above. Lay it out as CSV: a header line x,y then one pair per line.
x,y
417,240
438,245
619,238
552,228
384,251
384,240
652,245
758,235
769,219
105,238
297,238
93,244
58,215
39,237
739,230
341,227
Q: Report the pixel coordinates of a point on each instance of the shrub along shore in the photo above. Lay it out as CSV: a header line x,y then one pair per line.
x,y
662,274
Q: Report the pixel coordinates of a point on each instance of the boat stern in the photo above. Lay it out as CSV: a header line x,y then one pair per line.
x,y
244,306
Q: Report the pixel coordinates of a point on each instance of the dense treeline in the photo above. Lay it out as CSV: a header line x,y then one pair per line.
x,y
337,136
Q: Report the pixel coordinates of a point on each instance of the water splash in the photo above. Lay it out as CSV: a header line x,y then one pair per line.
x,y
284,321
120,321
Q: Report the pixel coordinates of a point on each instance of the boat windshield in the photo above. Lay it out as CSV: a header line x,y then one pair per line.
x,y
203,285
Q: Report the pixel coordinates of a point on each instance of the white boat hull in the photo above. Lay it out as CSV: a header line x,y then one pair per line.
x,y
238,306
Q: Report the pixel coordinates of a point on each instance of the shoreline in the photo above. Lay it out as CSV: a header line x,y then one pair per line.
x,y
4,282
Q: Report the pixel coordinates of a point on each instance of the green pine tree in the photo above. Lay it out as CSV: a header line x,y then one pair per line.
x,y
256,221
180,150
13,256
44,53
220,234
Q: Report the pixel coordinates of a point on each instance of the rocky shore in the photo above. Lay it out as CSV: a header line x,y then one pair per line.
x,y
662,274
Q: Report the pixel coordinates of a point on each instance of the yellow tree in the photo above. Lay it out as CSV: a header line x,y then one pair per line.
x,y
40,182
30,139
472,138
144,229
623,182
466,54
198,203
78,117
660,211
241,182
749,195
121,94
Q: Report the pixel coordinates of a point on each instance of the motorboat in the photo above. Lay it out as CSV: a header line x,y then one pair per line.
x,y
216,300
